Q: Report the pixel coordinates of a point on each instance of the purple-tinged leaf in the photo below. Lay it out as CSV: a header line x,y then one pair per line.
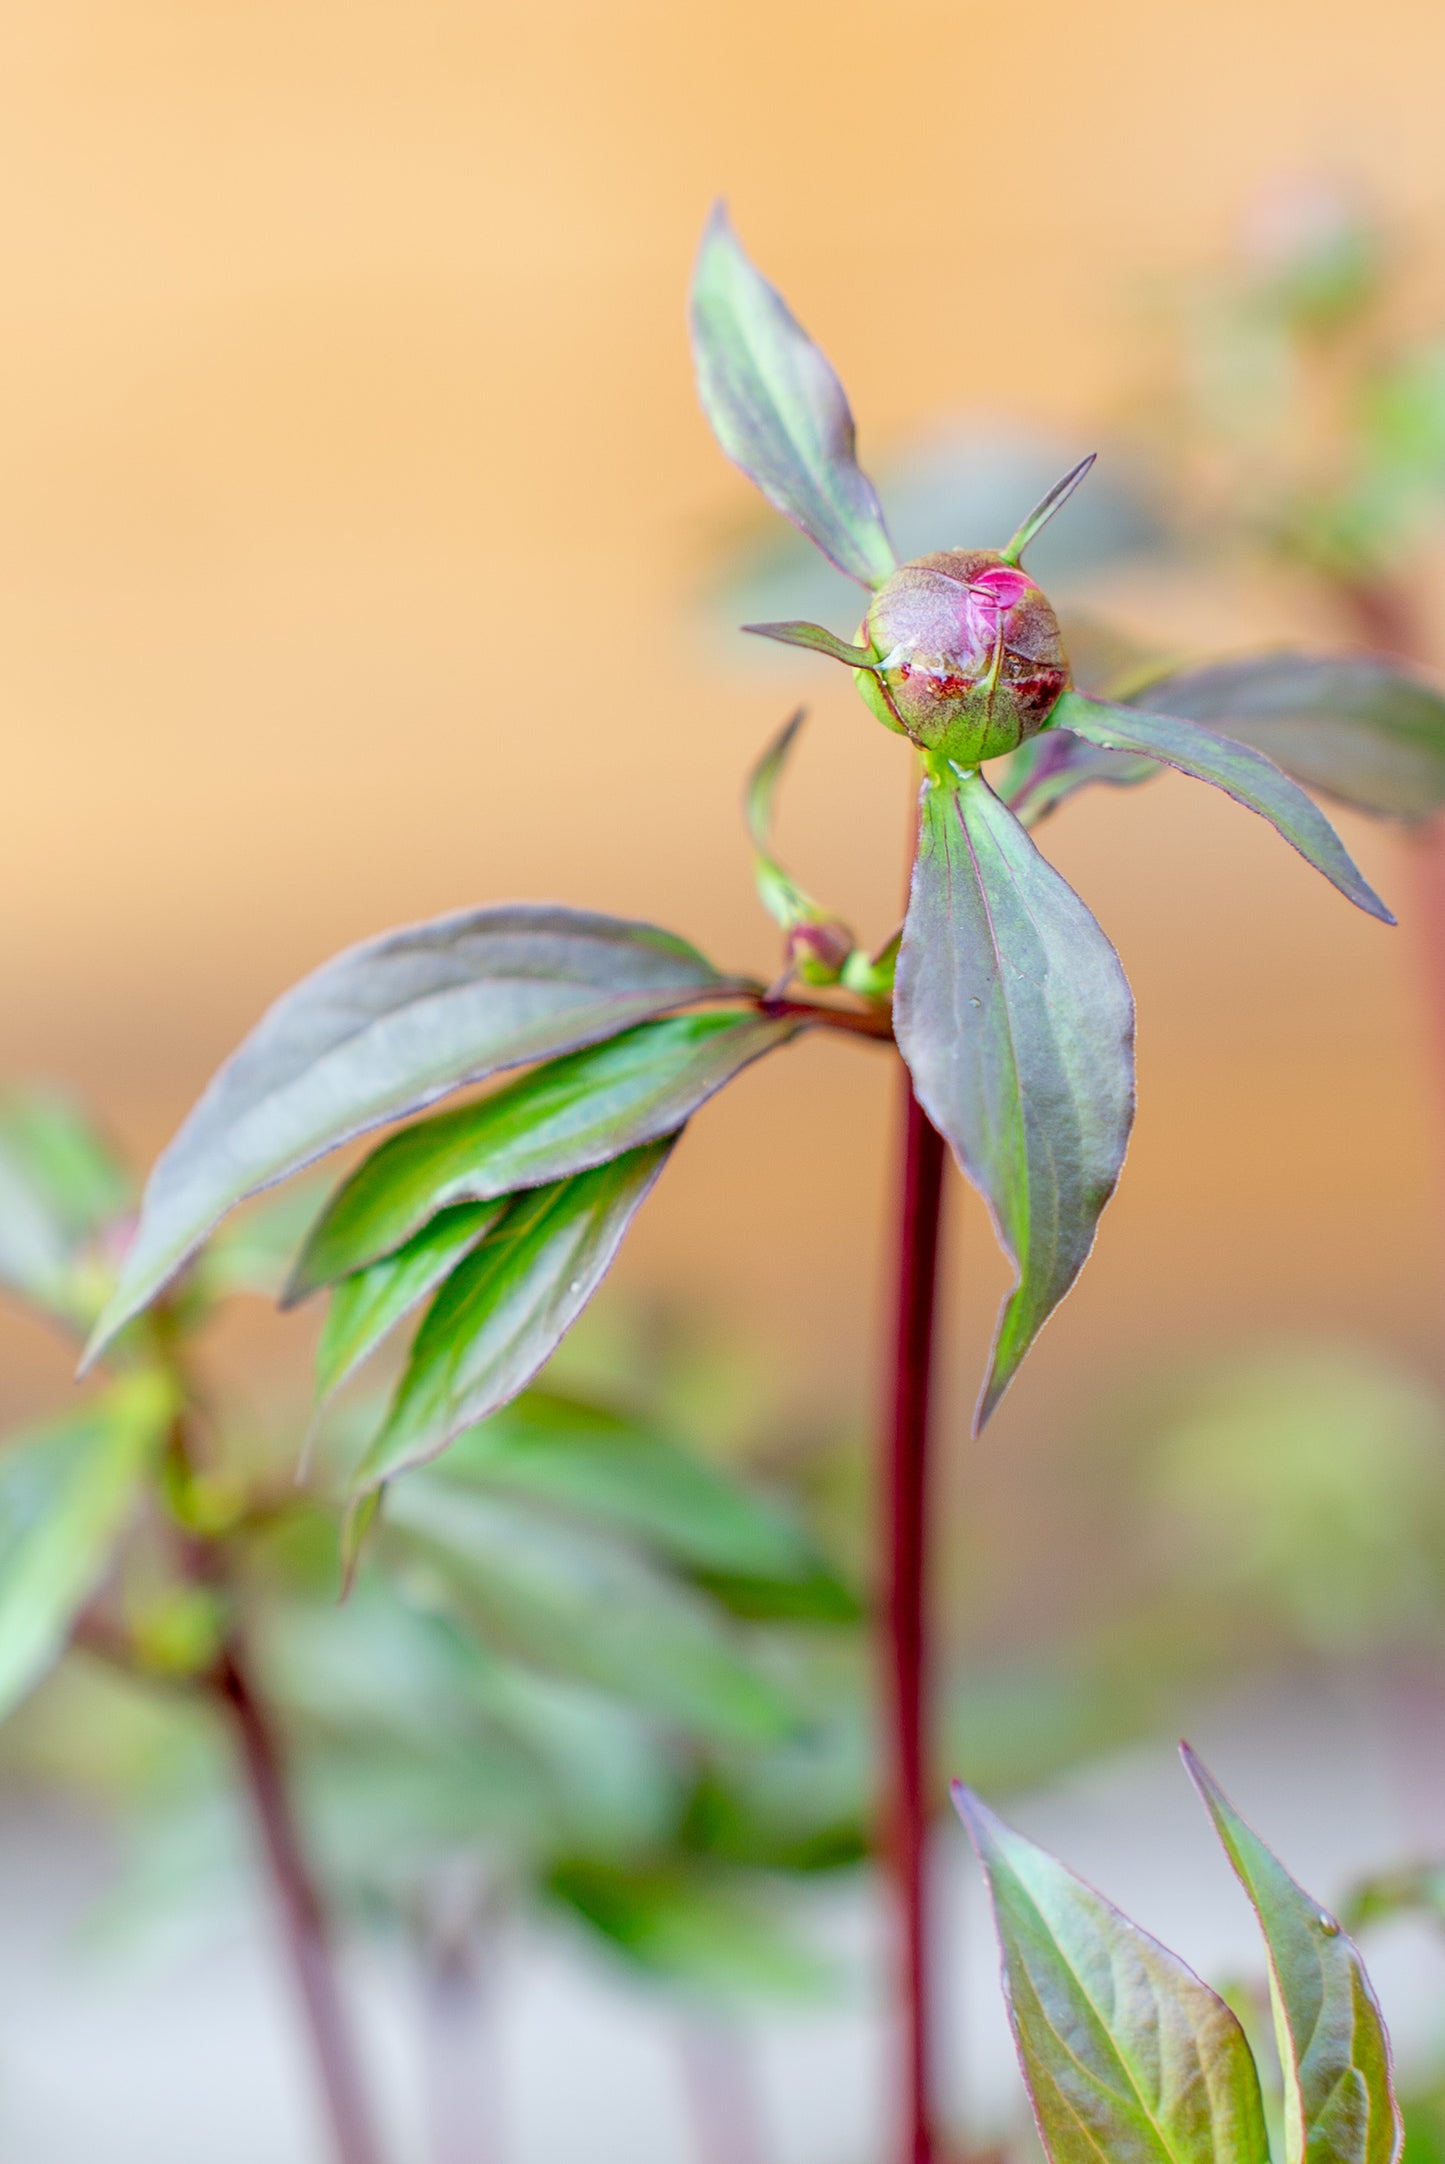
x,y
1340,2105
1240,771
1017,1023
507,1306
778,409
1052,766
384,1029
1125,2053
816,640
1357,726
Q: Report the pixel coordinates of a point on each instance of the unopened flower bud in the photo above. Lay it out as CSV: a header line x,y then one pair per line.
x,y
819,950
973,660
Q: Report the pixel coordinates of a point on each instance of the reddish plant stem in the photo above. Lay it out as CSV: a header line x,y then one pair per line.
x,y
302,1913
921,1199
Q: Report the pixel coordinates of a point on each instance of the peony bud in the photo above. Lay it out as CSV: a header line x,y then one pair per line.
x,y
972,662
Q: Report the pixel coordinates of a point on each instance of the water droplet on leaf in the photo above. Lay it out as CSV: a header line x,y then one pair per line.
x,y
1328,1925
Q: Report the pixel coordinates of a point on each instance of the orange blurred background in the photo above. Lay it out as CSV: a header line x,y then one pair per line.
x,y
355,510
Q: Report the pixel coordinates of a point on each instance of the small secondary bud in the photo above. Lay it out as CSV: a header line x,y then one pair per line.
x,y
972,659
818,950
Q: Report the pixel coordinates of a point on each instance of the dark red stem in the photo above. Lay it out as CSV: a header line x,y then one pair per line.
x,y
302,1913
907,1481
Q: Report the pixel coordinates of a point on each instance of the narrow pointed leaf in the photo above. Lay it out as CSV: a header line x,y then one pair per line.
x,y
1363,729
1126,2054
505,1309
1015,1018
572,1603
785,901
367,1306
66,1493
1052,500
778,409
1340,2105
1240,771
1052,766
562,1118
817,640
384,1029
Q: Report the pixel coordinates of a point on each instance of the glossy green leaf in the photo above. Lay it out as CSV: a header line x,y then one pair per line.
x,y
778,409
66,1493
601,1467
1016,1021
574,1603
1362,728
1238,769
564,1117
367,1306
693,1927
814,639
1126,2054
384,1029
503,1310
59,1188
1340,2105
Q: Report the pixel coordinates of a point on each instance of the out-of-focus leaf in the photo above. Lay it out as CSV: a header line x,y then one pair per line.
x,y
1015,1018
778,409
1412,1889
574,1604
1366,730
785,901
599,1466
66,1493
367,1306
59,1187
691,1927
1239,770
562,1118
1339,2096
1125,2052
384,1029
505,1308
1047,770
254,1251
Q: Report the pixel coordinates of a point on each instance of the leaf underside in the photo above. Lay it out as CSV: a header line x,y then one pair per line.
x,y
1239,770
1125,2053
778,410
1340,2105
1017,1023
507,1305
382,1031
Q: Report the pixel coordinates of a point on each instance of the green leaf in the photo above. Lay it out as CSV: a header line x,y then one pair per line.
x,y
367,1306
1240,771
1340,2105
59,1188
1016,1021
503,1310
66,1492
778,409
1126,2054
573,1603
562,1118
384,1029
692,1927
614,1471
1359,727
816,640
785,901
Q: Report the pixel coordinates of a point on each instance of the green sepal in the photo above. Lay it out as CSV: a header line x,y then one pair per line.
x,y
816,640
